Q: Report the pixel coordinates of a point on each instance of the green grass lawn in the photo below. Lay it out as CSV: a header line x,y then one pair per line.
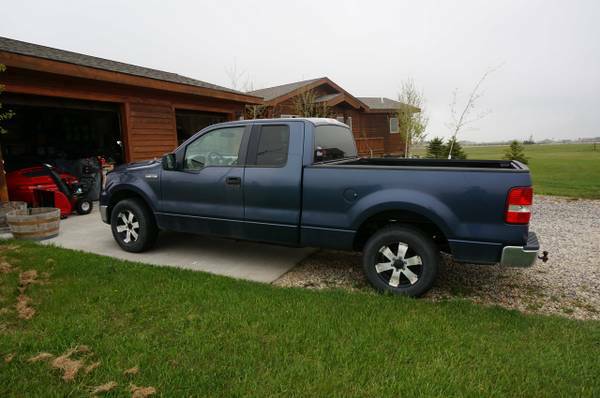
x,y
195,334
565,170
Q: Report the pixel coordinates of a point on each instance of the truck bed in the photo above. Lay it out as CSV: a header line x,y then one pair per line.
x,y
437,163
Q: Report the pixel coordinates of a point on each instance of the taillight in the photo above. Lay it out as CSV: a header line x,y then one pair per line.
x,y
518,205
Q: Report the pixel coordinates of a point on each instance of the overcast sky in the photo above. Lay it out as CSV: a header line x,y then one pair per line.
x,y
548,83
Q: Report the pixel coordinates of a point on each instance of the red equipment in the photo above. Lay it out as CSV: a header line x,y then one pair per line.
x,y
43,186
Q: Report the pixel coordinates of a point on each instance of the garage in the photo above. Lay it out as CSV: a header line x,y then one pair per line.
x,y
82,113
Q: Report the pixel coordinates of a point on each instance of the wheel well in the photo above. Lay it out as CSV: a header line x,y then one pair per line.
x,y
125,194
391,217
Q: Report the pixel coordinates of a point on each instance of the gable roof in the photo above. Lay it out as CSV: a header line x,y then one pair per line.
x,y
276,94
384,104
278,91
54,54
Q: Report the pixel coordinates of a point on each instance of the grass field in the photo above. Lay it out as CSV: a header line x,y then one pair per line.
x,y
565,170
194,334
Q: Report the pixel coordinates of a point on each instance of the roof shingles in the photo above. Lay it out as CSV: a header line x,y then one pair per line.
x,y
35,50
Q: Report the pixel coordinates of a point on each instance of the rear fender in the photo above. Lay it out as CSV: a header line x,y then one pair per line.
x,y
417,202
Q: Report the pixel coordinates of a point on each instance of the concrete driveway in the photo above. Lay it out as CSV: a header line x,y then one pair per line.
x,y
245,260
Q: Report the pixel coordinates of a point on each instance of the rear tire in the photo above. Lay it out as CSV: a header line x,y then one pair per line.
x,y
401,260
133,225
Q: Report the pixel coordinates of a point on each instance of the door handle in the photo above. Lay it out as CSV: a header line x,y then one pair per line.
x,y
233,181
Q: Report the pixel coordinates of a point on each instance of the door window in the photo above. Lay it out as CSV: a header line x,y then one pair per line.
x,y
216,148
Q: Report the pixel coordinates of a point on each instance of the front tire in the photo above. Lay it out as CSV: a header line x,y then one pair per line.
x,y
133,225
401,260
84,206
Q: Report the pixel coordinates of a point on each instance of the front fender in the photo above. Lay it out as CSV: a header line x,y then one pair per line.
x,y
134,183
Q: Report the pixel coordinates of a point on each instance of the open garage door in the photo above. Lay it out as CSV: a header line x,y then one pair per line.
x,y
78,137
52,129
190,122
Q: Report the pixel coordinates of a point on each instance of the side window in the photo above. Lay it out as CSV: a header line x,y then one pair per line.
x,y
273,143
217,148
394,125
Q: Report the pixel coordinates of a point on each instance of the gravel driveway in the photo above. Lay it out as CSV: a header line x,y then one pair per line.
x,y
568,284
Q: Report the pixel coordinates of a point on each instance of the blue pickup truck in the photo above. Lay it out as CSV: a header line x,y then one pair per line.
x,y
300,182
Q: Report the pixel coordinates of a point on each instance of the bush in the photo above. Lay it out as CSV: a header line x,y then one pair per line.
x,y
457,150
435,148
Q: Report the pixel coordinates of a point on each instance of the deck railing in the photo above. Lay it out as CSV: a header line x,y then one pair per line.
x,y
371,146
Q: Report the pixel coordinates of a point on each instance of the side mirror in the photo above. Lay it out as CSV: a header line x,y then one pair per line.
x,y
169,162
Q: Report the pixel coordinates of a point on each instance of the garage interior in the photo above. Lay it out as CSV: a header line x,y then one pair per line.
x,y
190,122
58,131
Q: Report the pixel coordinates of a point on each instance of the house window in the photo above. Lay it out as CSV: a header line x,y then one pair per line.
x,y
394,125
340,119
349,122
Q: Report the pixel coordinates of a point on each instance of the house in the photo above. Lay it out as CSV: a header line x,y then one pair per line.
x,y
69,105
373,121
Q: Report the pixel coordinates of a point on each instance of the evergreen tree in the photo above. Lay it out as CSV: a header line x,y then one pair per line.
x,y
516,152
457,150
435,148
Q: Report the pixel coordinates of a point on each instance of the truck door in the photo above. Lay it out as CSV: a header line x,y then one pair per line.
x,y
204,194
273,182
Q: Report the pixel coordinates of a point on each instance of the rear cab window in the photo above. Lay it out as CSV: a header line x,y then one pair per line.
x,y
333,143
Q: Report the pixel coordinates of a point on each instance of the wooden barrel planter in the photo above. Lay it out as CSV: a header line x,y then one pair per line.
x,y
6,208
37,223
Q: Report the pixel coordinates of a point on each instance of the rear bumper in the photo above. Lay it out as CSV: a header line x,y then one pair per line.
x,y
521,256
104,214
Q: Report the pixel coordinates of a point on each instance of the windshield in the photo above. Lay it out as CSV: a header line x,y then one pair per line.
x,y
333,142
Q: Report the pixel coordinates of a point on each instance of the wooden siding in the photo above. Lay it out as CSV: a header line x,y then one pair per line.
x,y
151,130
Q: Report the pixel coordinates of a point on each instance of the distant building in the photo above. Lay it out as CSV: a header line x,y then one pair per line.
x,y
373,120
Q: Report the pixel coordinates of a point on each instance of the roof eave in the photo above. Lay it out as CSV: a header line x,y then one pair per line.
x,y
41,64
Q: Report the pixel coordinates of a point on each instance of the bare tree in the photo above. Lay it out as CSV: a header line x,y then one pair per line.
x,y
412,120
306,105
461,121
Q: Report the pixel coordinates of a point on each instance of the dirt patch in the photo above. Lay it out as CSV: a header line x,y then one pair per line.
x,y
91,367
132,372
42,356
141,392
9,357
24,310
5,266
70,366
103,388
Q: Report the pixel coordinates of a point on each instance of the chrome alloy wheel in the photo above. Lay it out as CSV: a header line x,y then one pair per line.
x,y
128,226
398,265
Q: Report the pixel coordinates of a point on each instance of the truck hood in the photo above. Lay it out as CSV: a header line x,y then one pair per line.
x,y
144,164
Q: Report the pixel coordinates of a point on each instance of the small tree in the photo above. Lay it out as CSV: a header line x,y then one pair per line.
x,y
461,120
411,117
435,148
306,105
256,112
453,150
3,117
516,152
